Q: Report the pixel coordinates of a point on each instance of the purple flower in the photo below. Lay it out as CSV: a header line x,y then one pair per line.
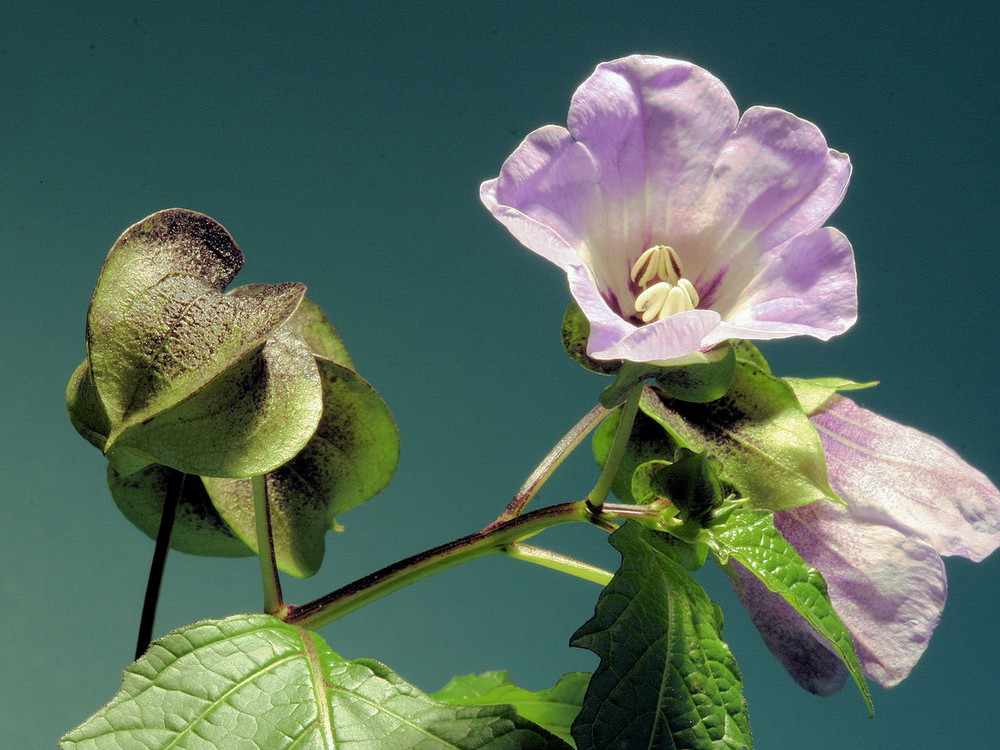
x,y
909,500
678,223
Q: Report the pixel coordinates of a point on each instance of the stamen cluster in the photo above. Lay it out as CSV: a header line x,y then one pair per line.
x,y
670,292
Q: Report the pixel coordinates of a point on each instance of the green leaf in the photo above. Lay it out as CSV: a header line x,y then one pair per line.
x,y
747,352
704,381
813,393
351,457
575,334
252,418
768,449
252,681
666,678
750,537
198,528
553,709
630,375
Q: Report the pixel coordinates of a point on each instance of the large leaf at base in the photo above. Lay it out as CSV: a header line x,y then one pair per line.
x,y
750,537
252,681
351,457
555,709
666,678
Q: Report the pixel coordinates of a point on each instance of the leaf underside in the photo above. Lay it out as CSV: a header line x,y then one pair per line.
x,y
252,681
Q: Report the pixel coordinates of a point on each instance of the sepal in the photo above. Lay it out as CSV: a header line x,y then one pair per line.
x,y
184,378
768,450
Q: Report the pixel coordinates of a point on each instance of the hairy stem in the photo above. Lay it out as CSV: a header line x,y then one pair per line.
x,y
274,604
175,486
482,543
628,411
488,541
566,445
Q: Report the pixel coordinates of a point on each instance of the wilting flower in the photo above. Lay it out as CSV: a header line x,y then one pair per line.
x,y
909,500
678,223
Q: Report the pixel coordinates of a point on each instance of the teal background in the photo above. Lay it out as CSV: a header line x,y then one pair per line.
x,y
342,144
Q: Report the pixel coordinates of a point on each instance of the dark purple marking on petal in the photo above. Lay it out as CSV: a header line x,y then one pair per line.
x,y
708,290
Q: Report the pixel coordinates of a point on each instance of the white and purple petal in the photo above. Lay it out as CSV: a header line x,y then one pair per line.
x,y
888,587
909,499
807,288
774,178
656,154
654,128
900,477
544,194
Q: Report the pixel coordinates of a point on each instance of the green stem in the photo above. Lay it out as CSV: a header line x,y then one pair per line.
x,y
274,604
488,541
550,463
563,563
482,543
175,486
628,411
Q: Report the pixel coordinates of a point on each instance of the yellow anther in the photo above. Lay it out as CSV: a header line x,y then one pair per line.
x,y
670,293
671,269
658,262
692,293
665,299
645,268
676,301
649,303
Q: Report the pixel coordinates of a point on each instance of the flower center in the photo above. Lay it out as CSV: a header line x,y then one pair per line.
x,y
665,291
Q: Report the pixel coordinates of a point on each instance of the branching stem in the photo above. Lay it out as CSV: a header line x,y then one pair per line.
x,y
491,540
628,411
550,463
563,563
